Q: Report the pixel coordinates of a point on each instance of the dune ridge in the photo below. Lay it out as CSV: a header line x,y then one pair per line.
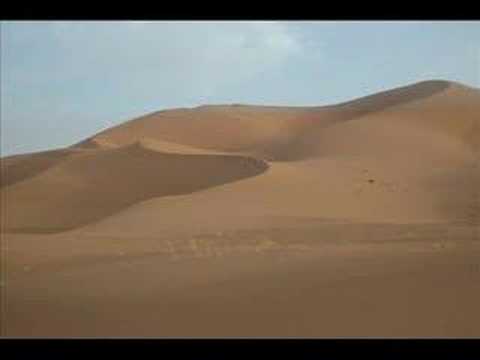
x,y
275,133
89,187
350,160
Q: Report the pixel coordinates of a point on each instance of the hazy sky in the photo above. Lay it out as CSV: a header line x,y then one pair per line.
x,y
64,81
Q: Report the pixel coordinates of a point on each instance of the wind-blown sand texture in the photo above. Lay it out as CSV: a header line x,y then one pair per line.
x,y
356,219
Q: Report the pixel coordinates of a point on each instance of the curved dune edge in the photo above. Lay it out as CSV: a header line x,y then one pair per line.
x,y
393,98
329,188
276,133
289,135
167,147
95,142
87,188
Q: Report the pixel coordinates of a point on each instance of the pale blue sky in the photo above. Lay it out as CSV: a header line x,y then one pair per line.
x,y
64,81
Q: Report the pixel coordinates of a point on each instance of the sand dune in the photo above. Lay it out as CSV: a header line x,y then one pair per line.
x,y
303,221
89,187
396,161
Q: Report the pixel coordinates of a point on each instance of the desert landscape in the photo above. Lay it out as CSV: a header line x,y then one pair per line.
x,y
358,219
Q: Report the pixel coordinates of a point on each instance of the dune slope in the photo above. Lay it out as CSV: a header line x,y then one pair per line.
x,y
96,184
20,167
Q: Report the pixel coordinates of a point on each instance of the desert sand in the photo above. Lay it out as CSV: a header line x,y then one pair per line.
x,y
359,219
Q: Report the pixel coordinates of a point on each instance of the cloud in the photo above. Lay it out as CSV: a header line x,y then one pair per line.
x,y
189,58
78,77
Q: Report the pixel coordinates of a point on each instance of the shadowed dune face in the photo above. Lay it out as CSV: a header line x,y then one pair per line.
x,y
21,167
90,187
391,98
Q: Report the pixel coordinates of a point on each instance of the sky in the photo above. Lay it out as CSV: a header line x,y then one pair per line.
x,y
61,82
